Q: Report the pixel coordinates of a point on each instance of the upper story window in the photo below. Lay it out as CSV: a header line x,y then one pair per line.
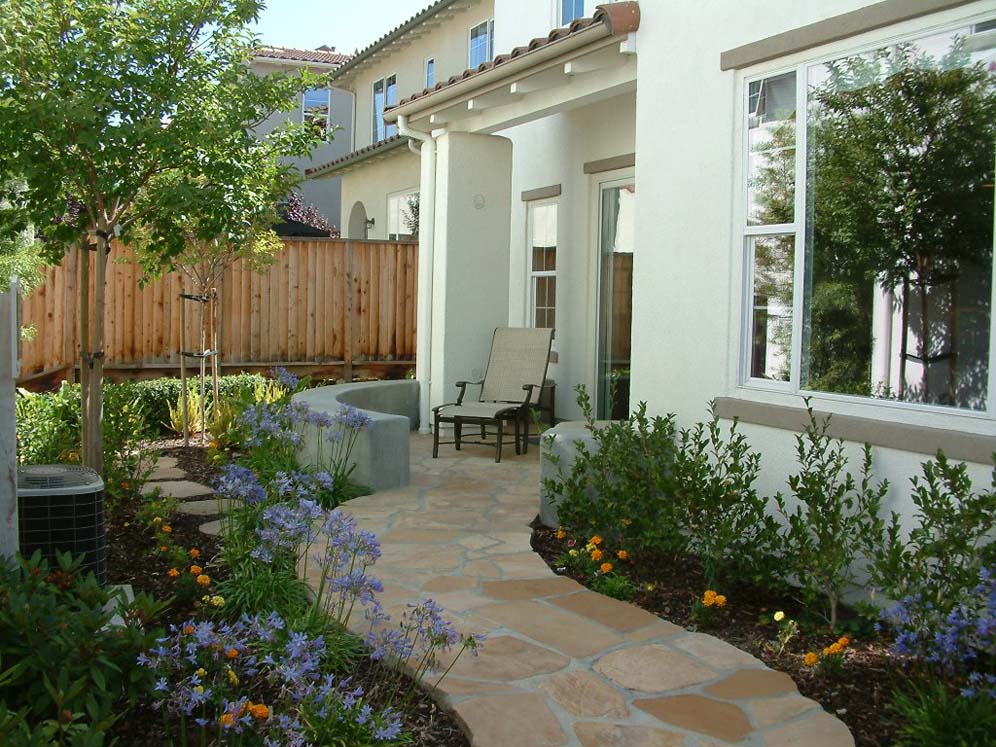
x,y
868,224
571,10
482,43
385,94
541,225
430,73
316,108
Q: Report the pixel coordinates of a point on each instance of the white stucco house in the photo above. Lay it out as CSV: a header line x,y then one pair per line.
x,y
674,188
327,108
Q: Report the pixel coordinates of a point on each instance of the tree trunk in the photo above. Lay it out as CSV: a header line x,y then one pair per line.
x,y
904,339
93,422
84,311
924,326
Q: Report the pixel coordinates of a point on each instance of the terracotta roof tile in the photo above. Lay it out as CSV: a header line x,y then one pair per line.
x,y
325,56
621,18
359,155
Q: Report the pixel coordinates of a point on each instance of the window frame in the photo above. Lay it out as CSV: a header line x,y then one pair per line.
x,y
430,65
560,13
328,114
531,274
489,37
373,108
401,193
775,392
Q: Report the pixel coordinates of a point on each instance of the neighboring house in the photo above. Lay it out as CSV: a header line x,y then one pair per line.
x,y
675,189
327,108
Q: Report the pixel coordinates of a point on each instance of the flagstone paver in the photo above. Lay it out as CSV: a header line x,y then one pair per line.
x,y
178,488
206,507
563,666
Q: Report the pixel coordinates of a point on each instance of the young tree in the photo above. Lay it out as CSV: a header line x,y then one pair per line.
x,y
131,108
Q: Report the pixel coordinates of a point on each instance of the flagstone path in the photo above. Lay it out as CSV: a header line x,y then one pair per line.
x,y
563,666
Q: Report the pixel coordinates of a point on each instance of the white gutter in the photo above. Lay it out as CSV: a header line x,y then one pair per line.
x,y
426,242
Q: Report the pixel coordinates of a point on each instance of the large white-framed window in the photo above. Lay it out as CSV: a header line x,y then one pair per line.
x,y
430,72
867,223
541,239
570,10
385,94
402,215
316,110
482,43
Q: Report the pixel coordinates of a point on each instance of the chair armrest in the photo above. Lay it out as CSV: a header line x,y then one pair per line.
x,y
463,388
528,389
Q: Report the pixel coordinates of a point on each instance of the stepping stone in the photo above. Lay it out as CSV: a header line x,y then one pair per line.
x,y
165,462
179,488
593,734
212,528
584,694
504,720
167,473
704,715
207,507
652,669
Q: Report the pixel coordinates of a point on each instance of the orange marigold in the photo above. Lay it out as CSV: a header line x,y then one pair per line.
x,y
204,580
173,572
188,629
194,553
259,711
196,570
596,554
709,598
720,600
163,548
167,529
606,568
561,534
844,641
810,659
227,720
232,653
596,540
622,555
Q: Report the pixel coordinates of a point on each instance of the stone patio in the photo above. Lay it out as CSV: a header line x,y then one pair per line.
x,y
563,666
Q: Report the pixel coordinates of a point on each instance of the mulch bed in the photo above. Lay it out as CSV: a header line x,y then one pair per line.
x,y
132,560
859,695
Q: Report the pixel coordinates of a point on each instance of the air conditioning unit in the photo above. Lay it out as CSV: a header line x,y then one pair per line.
x,y
60,508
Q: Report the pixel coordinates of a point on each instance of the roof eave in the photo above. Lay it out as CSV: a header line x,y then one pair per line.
x,y
354,159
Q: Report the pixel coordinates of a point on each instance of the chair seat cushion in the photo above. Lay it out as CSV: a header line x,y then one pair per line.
x,y
483,410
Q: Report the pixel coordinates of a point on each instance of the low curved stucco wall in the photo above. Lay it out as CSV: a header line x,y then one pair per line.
x,y
558,453
381,451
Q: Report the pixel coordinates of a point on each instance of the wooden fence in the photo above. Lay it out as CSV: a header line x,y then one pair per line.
x,y
322,303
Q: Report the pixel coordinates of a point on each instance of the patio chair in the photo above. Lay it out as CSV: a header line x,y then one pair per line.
x,y
512,384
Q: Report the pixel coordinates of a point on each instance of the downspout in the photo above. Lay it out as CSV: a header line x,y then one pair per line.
x,y
426,242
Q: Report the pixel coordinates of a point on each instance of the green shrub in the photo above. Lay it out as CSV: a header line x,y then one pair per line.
x,y
933,715
725,518
836,521
622,489
59,659
942,558
159,395
256,588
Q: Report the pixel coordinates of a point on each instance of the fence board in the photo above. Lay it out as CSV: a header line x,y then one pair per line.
x,y
294,311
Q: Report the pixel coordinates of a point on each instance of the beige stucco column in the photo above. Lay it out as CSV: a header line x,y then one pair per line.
x,y
470,257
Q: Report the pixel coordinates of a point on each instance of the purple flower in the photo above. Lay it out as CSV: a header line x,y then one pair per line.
x,y
239,483
285,378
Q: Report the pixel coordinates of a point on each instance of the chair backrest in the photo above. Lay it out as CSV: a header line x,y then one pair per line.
x,y
519,356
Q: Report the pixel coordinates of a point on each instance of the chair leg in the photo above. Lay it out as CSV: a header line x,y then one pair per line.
x,y
501,431
435,437
484,431
518,446
525,435
457,432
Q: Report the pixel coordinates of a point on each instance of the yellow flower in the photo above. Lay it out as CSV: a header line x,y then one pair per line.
x,y
561,534
627,522
204,580
779,616
596,555
622,555
158,520
217,601
709,598
573,553
201,672
198,689
720,600
606,568
596,540
232,677
173,573
590,547
810,659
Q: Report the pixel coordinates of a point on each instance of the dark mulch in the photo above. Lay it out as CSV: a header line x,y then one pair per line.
x,y
859,695
133,560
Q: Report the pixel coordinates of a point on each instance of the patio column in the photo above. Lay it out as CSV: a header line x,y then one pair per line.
x,y
470,257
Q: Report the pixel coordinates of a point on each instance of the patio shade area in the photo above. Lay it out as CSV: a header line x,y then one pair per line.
x,y
562,665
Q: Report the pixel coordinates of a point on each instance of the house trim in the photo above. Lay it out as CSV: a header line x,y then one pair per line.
x,y
832,29
542,193
614,163
920,439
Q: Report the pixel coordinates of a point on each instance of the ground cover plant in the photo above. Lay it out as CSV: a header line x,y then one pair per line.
x,y
917,669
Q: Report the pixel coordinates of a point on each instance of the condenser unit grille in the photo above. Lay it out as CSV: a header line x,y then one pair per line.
x,y
65,516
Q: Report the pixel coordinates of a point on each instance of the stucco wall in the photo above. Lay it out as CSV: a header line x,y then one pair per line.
x,y
373,181
689,266
448,44
553,151
325,193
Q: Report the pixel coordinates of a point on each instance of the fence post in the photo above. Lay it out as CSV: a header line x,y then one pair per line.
x,y
347,368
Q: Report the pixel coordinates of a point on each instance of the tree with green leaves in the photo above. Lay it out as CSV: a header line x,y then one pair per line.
x,y
129,118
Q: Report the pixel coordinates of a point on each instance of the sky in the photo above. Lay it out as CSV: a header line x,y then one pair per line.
x,y
346,25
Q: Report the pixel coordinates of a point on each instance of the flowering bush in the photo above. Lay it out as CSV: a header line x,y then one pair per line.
x,y
707,611
257,677
831,660
598,565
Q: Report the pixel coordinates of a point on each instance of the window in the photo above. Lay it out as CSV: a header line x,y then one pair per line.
x,y
542,230
316,108
868,225
385,94
402,215
571,10
430,73
482,42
